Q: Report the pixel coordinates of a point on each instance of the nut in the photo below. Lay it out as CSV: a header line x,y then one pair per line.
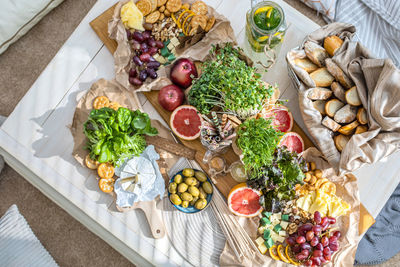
x,y
307,178
313,180
318,173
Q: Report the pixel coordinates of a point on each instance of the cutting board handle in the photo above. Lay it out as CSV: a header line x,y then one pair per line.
x,y
154,217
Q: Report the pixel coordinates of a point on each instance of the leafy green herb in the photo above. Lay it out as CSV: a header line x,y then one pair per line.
x,y
229,83
257,139
114,135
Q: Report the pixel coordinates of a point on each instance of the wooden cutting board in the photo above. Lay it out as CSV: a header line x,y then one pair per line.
x,y
223,183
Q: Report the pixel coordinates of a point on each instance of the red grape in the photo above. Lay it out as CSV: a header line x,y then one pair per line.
x,y
132,73
138,36
314,241
327,251
128,34
152,73
317,229
291,241
334,246
159,44
333,239
296,248
332,220
324,228
153,50
135,81
317,253
146,35
324,221
309,235
308,263
328,257
316,261
153,64
324,241
137,61
319,246
143,75
337,234
305,252
300,239
151,42
301,257
144,57
144,48
305,246
317,217
135,45
303,229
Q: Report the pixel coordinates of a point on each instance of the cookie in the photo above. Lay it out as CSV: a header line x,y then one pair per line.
x,y
200,8
105,170
162,16
153,5
101,102
185,6
114,105
161,2
153,17
199,20
144,6
106,185
173,5
91,164
210,24
193,30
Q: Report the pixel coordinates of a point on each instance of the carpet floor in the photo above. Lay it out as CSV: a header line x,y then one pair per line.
x,y
68,241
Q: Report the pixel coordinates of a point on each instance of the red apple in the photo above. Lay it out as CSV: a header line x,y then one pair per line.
x,y
182,72
170,97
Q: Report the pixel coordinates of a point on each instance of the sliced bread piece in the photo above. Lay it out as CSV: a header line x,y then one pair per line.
x,y
320,106
362,116
352,97
338,73
338,91
346,114
349,128
332,106
361,129
322,77
341,141
331,124
315,53
332,43
305,64
319,93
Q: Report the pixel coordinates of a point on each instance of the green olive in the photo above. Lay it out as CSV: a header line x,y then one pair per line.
x,y
172,188
188,172
178,179
186,196
182,187
200,176
197,184
190,181
200,204
194,191
202,194
175,199
185,204
193,201
207,187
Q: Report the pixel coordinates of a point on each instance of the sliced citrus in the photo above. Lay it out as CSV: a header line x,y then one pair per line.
x,y
185,122
274,253
106,185
281,253
263,9
293,142
289,256
244,201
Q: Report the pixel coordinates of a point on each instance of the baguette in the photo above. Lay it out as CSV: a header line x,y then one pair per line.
x,y
332,106
319,93
362,116
322,77
361,129
316,53
330,124
340,141
332,43
320,106
305,64
352,97
349,128
346,114
338,91
338,73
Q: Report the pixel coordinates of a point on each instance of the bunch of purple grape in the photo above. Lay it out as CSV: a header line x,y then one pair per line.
x,y
144,65
312,244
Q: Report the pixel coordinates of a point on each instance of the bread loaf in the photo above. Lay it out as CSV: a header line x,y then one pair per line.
x,y
362,116
322,77
340,141
320,106
349,128
319,93
316,53
346,114
352,97
338,91
305,64
332,106
332,43
338,73
361,129
331,124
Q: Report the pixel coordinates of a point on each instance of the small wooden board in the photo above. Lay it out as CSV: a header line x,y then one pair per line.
x,y
223,183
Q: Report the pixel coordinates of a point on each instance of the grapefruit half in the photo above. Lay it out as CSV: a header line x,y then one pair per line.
x,y
293,142
282,118
185,122
244,201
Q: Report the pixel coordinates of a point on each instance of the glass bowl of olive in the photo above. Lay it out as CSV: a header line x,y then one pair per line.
x,y
190,190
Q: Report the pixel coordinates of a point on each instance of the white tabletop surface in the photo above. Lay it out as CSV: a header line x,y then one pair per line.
x,y
36,141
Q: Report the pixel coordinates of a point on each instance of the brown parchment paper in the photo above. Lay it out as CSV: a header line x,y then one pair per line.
x,y
378,85
346,188
220,32
115,92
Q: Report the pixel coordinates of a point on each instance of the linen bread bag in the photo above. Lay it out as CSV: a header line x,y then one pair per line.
x,y
349,100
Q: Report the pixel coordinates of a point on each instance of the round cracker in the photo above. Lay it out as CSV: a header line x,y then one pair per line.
x,y
144,6
106,185
193,30
101,102
153,5
199,20
114,105
161,2
153,17
186,6
200,8
210,24
173,5
105,170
